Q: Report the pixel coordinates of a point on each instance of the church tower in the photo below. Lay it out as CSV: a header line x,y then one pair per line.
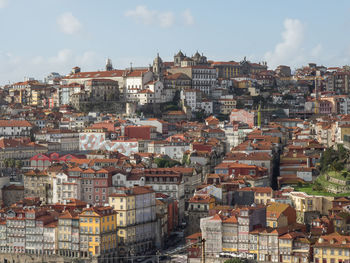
x,y
157,66
109,65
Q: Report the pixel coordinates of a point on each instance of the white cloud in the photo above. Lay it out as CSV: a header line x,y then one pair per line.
x,y
142,14
62,56
3,3
146,16
289,50
166,19
187,17
69,24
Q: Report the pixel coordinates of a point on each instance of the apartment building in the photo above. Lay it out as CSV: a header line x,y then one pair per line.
x,y
169,182
19,149
68,234
15,128
38,184
198,207
239,233
280,215
98,226
332,248
232,233
136,208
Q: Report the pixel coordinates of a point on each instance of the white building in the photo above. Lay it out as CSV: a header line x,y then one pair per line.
x,y
175,150
192,98
65,188
135,82
204,78
14,128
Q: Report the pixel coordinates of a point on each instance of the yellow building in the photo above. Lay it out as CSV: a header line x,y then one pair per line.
x,y
68,237
285,247
178,81
332,248
98,230
136,208
294,247
124,204
227,105
304,203
280,215
228,69
254,242
35,97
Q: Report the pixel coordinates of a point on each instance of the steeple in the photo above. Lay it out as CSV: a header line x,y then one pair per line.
x,y
157,66
109,65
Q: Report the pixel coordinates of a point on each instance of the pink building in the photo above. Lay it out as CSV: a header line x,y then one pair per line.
x,y
43,161
325,107
243,116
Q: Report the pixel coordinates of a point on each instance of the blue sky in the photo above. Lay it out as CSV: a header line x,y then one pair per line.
x,y
41,36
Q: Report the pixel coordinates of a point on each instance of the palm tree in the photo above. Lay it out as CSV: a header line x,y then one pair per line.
x,y
12,163
19,164
6,163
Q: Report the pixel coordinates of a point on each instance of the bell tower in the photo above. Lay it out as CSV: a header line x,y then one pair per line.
x,y
109,65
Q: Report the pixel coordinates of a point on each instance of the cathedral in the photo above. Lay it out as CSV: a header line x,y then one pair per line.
x,y
181,60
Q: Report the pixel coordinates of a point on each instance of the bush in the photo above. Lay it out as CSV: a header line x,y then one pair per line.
x,y
165,163
234,260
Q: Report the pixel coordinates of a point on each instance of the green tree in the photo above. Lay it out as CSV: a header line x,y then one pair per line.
x,y
240,104
327,159
7,163
317,186
200,115
337,166
186,159
12,163
165,163
19,164
32,137
176,98
234,260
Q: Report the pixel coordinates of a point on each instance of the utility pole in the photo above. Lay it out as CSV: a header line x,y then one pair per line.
x,y
203,250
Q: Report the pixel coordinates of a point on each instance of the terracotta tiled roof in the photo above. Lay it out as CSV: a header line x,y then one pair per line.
x,y
15,123
96,74
194,236
333,240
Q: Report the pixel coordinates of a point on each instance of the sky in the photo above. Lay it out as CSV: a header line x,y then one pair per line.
x,y
42,36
